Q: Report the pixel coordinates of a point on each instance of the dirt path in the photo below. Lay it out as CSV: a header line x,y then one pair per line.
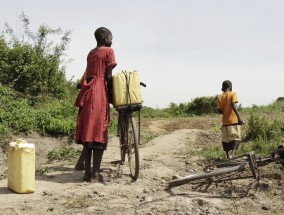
x,y
61,191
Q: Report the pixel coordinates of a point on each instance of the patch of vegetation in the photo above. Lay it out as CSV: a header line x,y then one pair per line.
x,y
277,106
213,153
147,138
167,178
260,127
42,171
112,126
148,112
64,153
48,116
82,202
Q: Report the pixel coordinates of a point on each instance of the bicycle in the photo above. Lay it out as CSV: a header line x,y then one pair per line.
x,y
129,135
240,164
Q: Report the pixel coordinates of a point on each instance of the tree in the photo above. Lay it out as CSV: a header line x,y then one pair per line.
x,y
203,105
32,62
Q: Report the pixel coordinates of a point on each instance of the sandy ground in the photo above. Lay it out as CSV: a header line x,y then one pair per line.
x,y
61,190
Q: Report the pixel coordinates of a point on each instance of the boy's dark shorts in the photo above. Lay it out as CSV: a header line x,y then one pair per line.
x,y
231,137
231,146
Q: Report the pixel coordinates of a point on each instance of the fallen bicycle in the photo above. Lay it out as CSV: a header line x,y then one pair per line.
x,y
227,168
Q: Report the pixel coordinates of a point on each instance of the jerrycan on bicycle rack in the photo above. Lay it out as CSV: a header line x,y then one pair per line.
x,y
21,166
126,88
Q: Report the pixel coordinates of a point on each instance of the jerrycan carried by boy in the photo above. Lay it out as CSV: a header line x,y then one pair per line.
x,y
126,88
21,166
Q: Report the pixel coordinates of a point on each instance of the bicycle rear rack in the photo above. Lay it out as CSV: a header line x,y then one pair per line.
x,y
133,107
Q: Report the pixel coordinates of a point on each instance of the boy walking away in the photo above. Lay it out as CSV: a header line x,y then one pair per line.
x,y
231,121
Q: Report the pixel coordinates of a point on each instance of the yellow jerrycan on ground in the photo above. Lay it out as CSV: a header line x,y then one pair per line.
x,y
126,88
21,166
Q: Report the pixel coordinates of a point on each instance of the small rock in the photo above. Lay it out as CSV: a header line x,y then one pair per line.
x,y
264,186
149,199
101,195
92,209
265,208
176,177
128,183
47,193
50,209
90,195
277,176
212,210
200,202
277,192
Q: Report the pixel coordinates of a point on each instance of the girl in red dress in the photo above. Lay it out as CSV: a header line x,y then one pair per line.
x,y
93,102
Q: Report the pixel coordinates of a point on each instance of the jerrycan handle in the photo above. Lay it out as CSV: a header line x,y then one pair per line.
x,y
20,141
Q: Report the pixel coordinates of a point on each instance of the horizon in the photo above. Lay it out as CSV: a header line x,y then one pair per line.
x,y
182,49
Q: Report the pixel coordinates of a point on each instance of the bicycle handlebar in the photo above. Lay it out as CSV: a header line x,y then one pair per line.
x,y
142,84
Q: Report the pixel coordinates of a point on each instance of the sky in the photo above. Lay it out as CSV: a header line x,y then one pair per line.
x,y
183,49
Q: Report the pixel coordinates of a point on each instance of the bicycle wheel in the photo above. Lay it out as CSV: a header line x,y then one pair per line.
x,y
133,147
198,176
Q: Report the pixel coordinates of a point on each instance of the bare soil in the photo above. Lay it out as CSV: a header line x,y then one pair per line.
x,y
172,151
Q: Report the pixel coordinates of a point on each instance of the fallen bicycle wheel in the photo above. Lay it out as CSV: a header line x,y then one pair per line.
x,y
207,175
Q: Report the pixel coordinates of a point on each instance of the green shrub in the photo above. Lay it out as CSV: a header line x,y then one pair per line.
x,y
215,152
148,112
30,63
4,130
262,128
202,105
262,135
64,153
48,116
277,106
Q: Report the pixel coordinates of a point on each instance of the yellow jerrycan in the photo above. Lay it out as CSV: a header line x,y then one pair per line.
x,y
126,88
21,166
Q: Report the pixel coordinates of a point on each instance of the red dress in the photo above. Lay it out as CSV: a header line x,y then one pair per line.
x,y
93,101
